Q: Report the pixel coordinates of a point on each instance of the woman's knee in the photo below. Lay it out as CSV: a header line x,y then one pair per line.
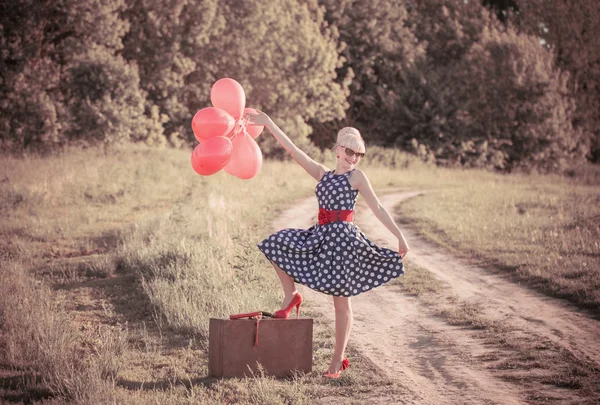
x,y
342,304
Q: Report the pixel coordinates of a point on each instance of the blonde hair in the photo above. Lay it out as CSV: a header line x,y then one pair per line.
x,y
350,137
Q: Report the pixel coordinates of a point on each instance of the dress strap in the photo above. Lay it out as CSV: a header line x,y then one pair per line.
x,y
337,175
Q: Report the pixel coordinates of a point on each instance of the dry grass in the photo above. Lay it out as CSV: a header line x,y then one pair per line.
x,y
112,266
544,230
512,354
40,344
419,282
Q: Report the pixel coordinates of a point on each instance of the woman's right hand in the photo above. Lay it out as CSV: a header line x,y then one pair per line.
x,y
260,118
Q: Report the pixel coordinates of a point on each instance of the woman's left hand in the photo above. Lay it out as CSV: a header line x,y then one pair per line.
x,y
260,118
403,248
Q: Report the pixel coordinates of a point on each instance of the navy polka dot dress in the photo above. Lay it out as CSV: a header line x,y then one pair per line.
x,y
335,258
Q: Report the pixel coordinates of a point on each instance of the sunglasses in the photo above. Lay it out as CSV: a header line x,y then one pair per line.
x,y
351,153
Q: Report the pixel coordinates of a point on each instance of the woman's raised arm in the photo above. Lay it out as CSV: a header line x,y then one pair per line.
x,y
313,168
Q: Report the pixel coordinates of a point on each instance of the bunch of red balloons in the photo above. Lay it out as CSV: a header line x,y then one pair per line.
x,y
226,140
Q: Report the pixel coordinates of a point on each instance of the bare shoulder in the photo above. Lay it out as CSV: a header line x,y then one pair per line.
x,y
358,178
322,170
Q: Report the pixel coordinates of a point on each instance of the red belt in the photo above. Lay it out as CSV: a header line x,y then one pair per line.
x,y
327,216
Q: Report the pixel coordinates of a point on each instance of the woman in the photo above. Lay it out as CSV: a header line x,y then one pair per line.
x,y
333,256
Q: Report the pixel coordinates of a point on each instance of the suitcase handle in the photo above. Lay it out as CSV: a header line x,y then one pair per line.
x,y
252,315
257,316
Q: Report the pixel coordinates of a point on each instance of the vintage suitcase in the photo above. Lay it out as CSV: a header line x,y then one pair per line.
x,y
280,346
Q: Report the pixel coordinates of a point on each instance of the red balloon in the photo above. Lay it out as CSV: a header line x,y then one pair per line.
x,y
246,157
253,130
210,122
211,155
229,95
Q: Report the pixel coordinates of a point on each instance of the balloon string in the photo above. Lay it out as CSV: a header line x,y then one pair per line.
x,y
240,126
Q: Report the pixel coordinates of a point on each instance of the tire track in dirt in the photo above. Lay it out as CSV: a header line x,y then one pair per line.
x,y
436,362
557,320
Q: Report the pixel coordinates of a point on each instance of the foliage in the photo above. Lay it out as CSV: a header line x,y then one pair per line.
x,y
454,82
167,40
105,101
29,75
502,7
376,47
138,70
29,112
64,80
571,31
483,96
449,82
522,115
448,28
285,57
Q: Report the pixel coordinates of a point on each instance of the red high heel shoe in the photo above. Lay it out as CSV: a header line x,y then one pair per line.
x,y
337,374
285,313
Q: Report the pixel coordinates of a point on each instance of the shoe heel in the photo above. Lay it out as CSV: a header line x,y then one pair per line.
x,y
285,313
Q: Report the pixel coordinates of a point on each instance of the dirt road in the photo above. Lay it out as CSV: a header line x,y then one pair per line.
x,y
444,364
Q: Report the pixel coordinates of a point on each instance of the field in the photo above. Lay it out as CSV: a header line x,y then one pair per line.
x,y
113,262
543,230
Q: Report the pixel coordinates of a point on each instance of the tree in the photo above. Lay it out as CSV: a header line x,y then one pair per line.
x,y
167,41
285,57
105,101
484,95
571,30
522,112
30,105
375,47
101,90
502,8
111,71
62,78
448,29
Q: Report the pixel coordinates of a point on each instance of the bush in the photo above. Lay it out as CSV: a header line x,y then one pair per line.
x,y
389,157
63,80
500,104
375,46
517,109
29,114
570,30
106,102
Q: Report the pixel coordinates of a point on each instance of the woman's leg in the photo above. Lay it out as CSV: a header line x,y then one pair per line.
x,y
343,324
289,288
